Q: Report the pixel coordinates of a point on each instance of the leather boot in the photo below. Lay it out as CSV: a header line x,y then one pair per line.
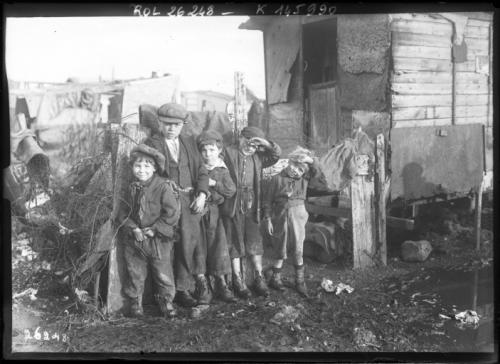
x,y
202,291
260,286
275,281
222,291
135,308
240,288
166,307
184,299
300,283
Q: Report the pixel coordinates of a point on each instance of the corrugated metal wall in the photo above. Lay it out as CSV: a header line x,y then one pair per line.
x,y
422,77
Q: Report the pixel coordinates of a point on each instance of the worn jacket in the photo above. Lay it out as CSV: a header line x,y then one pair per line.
x,y
158,207
261,159
224,187
277,190
199,174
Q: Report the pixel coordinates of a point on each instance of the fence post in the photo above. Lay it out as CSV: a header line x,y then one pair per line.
x,y
381,200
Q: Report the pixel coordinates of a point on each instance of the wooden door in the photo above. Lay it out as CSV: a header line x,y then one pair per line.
x,y
324,123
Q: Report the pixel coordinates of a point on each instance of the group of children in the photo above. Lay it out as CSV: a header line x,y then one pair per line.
x,y
194,210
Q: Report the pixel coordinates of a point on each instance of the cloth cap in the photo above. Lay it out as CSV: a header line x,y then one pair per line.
x,y
252,132
151,152
172,113
299,153
208,137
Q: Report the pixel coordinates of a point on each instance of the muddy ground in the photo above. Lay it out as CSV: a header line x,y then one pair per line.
x,y
393,308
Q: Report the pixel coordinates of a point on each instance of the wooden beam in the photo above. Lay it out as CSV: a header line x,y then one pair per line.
x,y
422,64
380,195
422,51
363,218
400,223
479,207
422,27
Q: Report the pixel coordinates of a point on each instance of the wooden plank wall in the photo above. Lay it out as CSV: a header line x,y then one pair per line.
x,y
421,82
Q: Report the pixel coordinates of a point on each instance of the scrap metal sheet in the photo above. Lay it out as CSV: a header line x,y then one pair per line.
x,y
427,161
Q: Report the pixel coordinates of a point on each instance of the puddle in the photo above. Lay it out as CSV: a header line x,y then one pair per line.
x,y
440,291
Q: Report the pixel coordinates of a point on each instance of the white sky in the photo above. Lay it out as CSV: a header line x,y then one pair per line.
x,y
203,51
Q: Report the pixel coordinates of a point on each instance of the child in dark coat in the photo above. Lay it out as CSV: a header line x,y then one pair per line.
x,y
221,186
286,216
149,218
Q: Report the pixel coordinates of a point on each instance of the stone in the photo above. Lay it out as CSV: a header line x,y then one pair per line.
x,y
415,251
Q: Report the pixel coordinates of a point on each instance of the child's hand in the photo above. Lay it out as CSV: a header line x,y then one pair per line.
x,y
270,227
211,182
198,204
149,232
139,236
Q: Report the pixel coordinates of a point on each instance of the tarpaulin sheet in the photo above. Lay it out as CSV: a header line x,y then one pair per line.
x,y
428,161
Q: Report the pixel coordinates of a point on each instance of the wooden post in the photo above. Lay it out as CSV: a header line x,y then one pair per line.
x,y
240,98
479,208
129,135
381,207
363,215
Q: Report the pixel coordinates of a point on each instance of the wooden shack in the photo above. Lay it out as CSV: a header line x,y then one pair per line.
x,y
326,75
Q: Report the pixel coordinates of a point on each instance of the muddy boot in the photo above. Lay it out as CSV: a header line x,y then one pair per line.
x,y
240,288
166,307
222,291
275,280
300,283
260,286
184,299
135,308
202,291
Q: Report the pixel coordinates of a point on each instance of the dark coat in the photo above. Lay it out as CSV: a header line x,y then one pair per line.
x,y
261,159
224,188
158,204
199,174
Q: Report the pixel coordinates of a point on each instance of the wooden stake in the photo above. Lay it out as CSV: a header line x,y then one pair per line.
x,y
240,116
479,208
381,206
363,219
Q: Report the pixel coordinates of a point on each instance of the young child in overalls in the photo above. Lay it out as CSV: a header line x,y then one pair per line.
x,y
221,186
285,215
149,218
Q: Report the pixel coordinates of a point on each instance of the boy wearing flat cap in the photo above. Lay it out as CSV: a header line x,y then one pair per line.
x,y
245,162
285,215
183,166
221,188
149,218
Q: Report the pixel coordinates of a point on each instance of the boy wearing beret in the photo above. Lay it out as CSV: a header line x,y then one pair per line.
x,y
149,218
245,162
221,187
285,215
183,166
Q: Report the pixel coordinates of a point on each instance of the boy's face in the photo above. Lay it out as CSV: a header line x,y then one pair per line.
x,y
210,153
171,130
143,169
247,147
295,170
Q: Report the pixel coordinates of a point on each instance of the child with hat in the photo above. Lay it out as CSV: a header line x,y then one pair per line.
x,y
221,187
285,215
148,220
242,212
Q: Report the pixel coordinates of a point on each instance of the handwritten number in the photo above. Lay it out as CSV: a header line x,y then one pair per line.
x,y
64,338
311,9
37,335
27,334
202,11
180,11
332,10
193,12
210,10
55,336
322,9
172,11
46,336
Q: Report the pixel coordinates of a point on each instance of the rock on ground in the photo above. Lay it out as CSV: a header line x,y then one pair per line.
x,y
415,251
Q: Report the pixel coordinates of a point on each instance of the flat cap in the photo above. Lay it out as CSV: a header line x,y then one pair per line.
x,y
151,152
208,137
172,113
252,132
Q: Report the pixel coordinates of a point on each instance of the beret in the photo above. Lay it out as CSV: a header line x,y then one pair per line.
x,y
172,113
151,152
252,132
208,136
